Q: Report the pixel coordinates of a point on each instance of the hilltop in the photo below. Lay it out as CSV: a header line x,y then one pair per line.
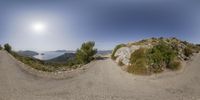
x,y
153,55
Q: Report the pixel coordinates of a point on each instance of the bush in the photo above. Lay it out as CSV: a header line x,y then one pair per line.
x,y
86,52
115,50
153,60
8,48
1,47
161,56
138,62
188,52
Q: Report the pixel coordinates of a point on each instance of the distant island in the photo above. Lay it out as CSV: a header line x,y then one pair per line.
x,y
28,53
61,51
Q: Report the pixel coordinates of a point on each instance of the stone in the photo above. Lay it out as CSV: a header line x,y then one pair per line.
x,y
123,54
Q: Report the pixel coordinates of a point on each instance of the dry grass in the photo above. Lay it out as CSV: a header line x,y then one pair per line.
x,y
115,49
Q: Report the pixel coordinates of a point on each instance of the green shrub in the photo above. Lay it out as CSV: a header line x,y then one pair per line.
x,y
153,60
86,52
115,49
8,48
1,47
138,62
161,56
72,62
188,52
198,48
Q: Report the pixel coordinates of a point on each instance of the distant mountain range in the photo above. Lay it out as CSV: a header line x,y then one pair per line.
x,y
67,54
63,58
73,51
60,51
104,52
67,51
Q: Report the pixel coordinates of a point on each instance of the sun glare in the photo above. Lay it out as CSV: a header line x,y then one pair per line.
x,y
38,27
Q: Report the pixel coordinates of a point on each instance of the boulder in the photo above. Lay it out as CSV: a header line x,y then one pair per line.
x,y
123,54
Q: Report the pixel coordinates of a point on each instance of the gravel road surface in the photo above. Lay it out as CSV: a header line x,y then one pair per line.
x,y
104,80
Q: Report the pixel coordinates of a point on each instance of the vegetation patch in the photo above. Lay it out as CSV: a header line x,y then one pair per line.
x,y
188,51
154,60
162,55
86,53
1,47
8,48
138,62
42,65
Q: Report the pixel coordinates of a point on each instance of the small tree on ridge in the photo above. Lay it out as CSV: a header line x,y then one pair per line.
x,y
8,48
86,52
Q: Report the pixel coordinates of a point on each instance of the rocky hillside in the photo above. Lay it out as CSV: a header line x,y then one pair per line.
x,y
180,50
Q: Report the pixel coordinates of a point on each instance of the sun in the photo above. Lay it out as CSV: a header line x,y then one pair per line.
x,y
38,27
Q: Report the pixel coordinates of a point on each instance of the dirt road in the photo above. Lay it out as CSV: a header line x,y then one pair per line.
x,y
104,80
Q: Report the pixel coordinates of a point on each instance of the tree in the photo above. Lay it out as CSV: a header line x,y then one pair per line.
x,y
86,52
7,47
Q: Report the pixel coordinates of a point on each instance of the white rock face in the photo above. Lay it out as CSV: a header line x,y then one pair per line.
x,y
123,54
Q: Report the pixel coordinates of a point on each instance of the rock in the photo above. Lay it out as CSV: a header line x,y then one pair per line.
x,y
123,54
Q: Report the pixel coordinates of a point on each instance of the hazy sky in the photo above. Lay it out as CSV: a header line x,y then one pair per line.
x,y
68,23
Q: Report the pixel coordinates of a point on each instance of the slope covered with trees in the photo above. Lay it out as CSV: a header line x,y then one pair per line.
x,y
82,56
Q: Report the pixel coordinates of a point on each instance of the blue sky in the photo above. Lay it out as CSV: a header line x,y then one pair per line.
x,y
69,23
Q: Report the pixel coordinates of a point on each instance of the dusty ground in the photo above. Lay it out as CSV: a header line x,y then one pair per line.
x,y
104,80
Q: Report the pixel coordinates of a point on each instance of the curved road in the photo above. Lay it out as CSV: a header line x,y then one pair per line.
x,y
104,80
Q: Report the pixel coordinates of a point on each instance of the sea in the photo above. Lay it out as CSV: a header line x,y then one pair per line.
x,y
48,55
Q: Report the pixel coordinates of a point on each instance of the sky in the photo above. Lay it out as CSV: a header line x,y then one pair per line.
x,y
65,24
